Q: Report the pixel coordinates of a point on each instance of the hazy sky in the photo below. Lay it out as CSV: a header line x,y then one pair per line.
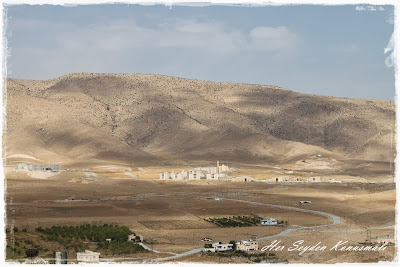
x,y
326,50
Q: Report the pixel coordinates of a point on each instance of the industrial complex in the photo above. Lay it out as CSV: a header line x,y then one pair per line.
x,y
210,173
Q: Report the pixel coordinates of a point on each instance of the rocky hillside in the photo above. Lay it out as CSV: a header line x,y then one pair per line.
x,y
129,118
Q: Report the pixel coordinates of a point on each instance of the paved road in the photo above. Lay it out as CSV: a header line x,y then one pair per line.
x,y
153,250
177,256
335,221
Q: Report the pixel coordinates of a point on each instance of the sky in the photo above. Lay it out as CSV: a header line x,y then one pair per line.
x,y
324,50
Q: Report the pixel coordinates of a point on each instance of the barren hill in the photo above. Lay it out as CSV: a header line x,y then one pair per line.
x,y
138,118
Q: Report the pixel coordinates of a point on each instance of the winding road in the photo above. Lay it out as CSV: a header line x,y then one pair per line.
x,y
335,221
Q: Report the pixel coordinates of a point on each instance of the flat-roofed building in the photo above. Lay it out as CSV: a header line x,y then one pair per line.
x,y
246,245
28,167
54,167
88,256
269,221
222,246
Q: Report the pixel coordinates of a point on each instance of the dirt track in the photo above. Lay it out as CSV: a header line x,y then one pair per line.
x,y
335,219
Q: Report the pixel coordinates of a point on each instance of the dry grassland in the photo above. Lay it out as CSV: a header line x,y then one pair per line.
x,y
171,214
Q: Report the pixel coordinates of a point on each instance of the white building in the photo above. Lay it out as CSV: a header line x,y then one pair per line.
x,y
213,173
216,247
88,256
53,167
185,173
60,257
212,176
247,245
269,221
223,168
199,174
29,167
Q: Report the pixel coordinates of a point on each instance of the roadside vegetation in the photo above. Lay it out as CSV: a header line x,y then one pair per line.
x,y
253,256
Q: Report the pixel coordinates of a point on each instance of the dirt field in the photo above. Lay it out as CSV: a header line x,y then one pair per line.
x,y
172,214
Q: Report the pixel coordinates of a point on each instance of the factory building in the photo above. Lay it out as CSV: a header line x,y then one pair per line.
x,y
212,173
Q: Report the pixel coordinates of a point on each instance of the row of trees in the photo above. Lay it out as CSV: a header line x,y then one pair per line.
x,y
94,233
235,221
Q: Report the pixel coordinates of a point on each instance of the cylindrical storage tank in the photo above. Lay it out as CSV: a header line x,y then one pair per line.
x,y
64,257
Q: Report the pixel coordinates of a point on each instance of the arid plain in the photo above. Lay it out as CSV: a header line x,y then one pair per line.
x,y
126,129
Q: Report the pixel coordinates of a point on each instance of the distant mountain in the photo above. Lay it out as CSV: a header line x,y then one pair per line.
x,y
137,118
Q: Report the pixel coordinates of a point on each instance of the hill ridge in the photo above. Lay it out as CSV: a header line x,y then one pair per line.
x,y
163,118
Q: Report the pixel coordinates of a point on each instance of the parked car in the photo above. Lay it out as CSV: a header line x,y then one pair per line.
x,y
206,239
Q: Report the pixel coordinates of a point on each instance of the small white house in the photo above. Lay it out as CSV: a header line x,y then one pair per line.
x,y
88,256
135,238
269,221
216,247
222,247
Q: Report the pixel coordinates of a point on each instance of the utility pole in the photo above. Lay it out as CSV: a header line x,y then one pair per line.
x,y
368,235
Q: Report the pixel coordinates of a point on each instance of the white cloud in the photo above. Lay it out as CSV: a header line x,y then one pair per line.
x,y
349,48
389,60
369,8
185,34
124,45
273,39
